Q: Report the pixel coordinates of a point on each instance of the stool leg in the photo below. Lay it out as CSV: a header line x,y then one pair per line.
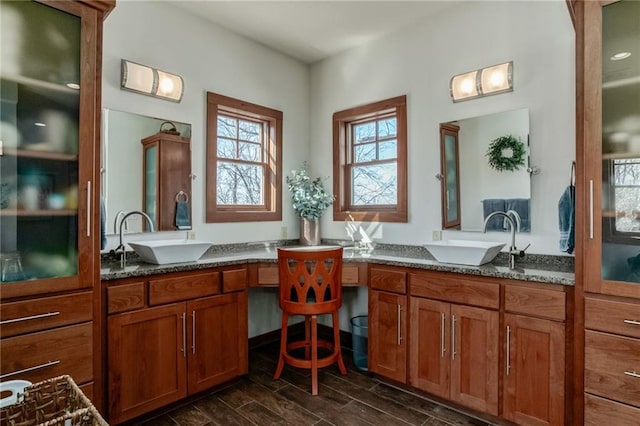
x,y
283,345
336,343
307,337
314,355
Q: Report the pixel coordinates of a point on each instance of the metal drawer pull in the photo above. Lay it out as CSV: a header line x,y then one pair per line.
x,y
32,317
632,374
26,370
591,209
399,324
453,337
184,334
193,332
508,350
442,331
88,208
633,322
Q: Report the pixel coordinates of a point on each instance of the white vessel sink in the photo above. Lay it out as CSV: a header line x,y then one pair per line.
x,y
161,252
464,252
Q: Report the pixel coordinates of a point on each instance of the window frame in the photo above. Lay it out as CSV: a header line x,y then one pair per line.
x,y
343,163
271,209
610,232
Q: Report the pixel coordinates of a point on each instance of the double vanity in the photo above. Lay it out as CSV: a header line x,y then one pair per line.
x,y
482,338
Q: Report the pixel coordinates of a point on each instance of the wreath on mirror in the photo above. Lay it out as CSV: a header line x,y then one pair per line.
x,y
505,145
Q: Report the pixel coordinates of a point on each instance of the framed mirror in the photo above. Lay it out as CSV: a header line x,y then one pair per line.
x,y
125,155
484,168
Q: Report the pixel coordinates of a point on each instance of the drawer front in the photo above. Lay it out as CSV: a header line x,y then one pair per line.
x,y
46,354
234,280
388,280
612,316
467,292
176,289
535,302
599,411
268,275
122,298
612,367
45,313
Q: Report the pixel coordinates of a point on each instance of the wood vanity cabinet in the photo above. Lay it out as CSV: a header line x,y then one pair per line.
x,y
607,275
50,297
454,347
195,338
388,322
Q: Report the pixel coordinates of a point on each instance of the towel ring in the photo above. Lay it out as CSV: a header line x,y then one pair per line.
x,y
182,197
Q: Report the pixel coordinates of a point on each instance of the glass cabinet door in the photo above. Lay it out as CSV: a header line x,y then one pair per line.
x,y
40,150
150,198
450,175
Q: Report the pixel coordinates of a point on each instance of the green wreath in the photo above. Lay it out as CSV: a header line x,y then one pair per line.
x,y
497,159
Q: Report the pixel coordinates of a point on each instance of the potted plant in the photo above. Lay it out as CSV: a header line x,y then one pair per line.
x,y
310,201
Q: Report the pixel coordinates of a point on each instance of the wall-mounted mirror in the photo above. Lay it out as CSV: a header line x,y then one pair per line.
x,y
476,188
124,159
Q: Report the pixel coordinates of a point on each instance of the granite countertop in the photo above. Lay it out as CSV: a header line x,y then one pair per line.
x,y
535,268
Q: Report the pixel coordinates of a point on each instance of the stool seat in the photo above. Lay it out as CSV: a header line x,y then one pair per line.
x,y
310,285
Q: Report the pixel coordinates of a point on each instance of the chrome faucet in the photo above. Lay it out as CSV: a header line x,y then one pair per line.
x,y
513,251
116,221
121,247
516,217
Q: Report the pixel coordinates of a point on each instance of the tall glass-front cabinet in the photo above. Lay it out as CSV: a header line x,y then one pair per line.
x,y
608,211
49,211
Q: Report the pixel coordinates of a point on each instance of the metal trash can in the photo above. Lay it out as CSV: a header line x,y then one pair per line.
x,y
359,334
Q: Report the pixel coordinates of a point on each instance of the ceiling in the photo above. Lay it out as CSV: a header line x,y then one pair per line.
x,y
311,30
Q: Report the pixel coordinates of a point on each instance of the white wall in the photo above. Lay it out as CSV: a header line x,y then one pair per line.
x,y
208,58
419,62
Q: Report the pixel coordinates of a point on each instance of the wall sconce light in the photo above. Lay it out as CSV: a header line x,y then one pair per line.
x,y
151,81
483,82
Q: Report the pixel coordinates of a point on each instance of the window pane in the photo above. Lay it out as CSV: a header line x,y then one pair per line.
x,y
226,148
250,131
239,184
375,185
388,150
364,132
227,127
249,151
366,152
627,194
387,128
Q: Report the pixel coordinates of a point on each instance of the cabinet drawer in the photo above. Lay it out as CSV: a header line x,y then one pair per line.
x,y
388,280
467,292
535,301
234,280
612,367
46,354
352,274
126,297
599,411
44,313
612,316
175,289
268,275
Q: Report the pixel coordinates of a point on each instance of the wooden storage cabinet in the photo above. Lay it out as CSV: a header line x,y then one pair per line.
x,y
454,348
160,354
388,322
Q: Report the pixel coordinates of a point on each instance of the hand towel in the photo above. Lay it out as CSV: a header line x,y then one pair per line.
x,y
566,219
520,206
183,221
489,206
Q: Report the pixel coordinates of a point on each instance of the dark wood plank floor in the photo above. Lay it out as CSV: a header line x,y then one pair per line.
x,y
354,399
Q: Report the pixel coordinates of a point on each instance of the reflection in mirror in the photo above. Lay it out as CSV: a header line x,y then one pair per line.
x,y
122,165
482,188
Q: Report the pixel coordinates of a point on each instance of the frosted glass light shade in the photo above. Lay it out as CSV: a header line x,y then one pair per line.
x,y
151,81
497,79
485,81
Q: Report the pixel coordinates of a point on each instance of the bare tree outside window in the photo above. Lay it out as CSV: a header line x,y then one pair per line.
x,y
626,186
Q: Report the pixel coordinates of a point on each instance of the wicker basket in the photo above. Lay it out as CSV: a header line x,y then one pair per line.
x,y
57,401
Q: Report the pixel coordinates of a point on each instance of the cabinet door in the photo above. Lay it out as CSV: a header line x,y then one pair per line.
x,y
429,357
147,360
387,335
474,358
48,137
217,341
534,371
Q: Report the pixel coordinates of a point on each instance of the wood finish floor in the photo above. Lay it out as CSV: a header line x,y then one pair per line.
x,y
354,399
